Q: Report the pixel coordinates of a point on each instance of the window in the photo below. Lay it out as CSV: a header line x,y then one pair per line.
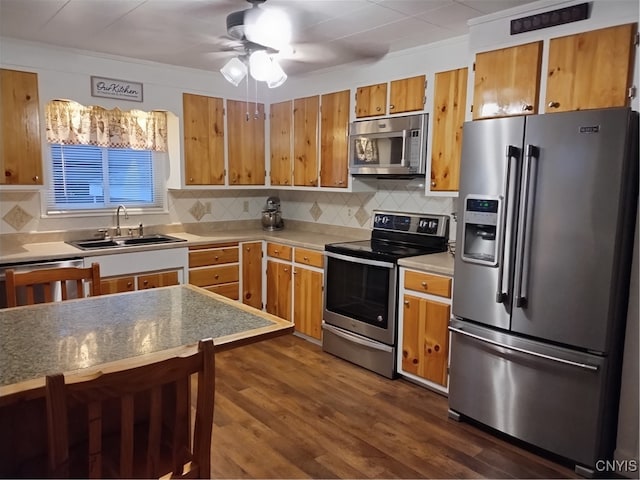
x,y
87,177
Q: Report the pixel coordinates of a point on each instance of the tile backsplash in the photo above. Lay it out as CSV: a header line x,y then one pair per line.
x,y
20,211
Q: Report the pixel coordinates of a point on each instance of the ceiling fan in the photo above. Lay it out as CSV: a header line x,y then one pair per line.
x,y
261,35
261,38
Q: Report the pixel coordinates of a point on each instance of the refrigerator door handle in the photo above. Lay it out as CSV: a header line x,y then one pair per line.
x,y
524,226
586,366
512,153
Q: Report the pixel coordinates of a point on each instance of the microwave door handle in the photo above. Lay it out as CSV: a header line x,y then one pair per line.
x,y
403,160
525,225
512,153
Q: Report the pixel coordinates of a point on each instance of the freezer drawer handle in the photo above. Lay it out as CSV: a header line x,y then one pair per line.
x,y
586,366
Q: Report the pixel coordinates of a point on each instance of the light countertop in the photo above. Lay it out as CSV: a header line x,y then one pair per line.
x,y
441,263
41,339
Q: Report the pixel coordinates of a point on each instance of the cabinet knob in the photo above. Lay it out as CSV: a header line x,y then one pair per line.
x,y
424,284
391,107
378,109
216,277
553,104
146,282
7,173
191,179
340,182
129,284
433,184
286,269
406,302
306,259
276,252
216,257
527,108
36,178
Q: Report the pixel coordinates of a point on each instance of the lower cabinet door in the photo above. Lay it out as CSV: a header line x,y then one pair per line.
x,y
279,289
425,345
307,302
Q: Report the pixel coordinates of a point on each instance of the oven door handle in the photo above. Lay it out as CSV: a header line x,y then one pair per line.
x,y
350,337
364,261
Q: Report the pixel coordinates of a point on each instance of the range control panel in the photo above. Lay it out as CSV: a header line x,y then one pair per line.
x,y
411,223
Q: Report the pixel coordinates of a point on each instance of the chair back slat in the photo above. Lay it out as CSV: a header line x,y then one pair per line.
x,y
126,436
166,445
46,280
94,421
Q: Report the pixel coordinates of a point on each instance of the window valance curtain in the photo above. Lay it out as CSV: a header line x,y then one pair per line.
x,y
70,123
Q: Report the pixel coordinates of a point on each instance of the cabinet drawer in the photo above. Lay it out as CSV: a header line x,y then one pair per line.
x,y
154,280
277,250
216,256
229,290
117,285
203,277
309,257
427,283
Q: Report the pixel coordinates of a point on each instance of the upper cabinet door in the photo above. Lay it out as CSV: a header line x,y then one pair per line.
x,y
20,143
280,142
590,70
407,94
203,140
334,146
245,123
371,100
449,104
507,81
305,141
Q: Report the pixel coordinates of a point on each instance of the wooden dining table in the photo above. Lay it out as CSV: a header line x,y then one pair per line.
x,y
90,334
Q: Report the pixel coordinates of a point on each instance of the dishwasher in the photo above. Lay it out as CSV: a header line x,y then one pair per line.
x,y
27,266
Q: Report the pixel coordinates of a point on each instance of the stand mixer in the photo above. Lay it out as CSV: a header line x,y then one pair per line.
x,y
271,215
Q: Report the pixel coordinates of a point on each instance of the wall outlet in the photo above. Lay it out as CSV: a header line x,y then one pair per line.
x,y
245,206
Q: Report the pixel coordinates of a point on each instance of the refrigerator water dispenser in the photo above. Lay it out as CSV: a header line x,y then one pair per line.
x,y
480,224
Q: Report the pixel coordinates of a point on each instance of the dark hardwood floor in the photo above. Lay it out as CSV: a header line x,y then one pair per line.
x,y
285,409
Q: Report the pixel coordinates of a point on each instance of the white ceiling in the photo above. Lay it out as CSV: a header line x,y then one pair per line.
x,y
191,33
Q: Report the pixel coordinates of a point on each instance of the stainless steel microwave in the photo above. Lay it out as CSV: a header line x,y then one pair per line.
x,y
389,146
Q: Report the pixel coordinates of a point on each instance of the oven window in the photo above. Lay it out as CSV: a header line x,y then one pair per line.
x,y
358,291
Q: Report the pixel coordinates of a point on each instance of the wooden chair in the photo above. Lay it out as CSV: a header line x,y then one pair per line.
x,y
163,435
46,279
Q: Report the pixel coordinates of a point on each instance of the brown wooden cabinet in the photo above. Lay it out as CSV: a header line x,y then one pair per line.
x,y
407,94
425,336
507,81
129,283
215,267
308,292
252,274
371,100
20,140
246,143
308,301
203,119
280,133
334,143
305,141
279,289
449,105
590,69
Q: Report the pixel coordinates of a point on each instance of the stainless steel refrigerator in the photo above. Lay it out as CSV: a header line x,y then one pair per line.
x,y
543,254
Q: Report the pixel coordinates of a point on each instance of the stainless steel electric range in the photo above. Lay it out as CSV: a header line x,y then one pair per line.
x,y
361,286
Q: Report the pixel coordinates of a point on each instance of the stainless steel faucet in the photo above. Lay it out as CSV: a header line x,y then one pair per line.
x,y
126,216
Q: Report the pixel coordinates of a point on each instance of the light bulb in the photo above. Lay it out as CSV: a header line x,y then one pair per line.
x,y
260,66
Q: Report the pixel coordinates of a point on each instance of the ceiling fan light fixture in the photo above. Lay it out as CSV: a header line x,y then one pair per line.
x,y
260,65
277,77
234,71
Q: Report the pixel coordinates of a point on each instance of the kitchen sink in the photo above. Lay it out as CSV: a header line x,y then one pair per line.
x,y
92,244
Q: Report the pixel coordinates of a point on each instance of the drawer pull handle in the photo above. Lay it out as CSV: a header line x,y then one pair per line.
x,y
424,284
276,252
129,284
306,259
216,276
216,257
